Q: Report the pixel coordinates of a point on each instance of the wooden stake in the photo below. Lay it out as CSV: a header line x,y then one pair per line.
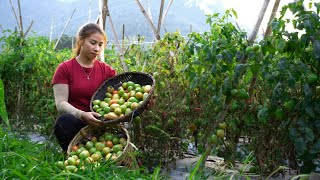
x,y
125,68
89,16
25,34
122,49
149,11
100,22
20,17
1,28
50,37
105,12
166,12
254,33
55,46
272,16
160,17
149,20
15,14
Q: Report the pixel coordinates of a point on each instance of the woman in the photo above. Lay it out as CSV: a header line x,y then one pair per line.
x,y
75,81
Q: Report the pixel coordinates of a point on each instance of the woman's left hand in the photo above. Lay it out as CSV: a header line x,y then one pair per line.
x,y
91,118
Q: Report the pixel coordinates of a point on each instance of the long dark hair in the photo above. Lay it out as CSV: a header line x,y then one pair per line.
x,y
84,32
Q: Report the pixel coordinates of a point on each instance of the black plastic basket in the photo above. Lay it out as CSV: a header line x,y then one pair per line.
x,y
115,82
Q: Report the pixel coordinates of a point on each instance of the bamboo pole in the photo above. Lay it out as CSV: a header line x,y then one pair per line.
x,y
272,16
149,20
1,28
125,68
122,48
166,12
149,11
20,19
100,22
254,33
15,14
89,13
160,16
51,28
25,34
104,13
55,46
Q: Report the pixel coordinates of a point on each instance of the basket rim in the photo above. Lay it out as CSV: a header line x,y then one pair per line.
x,y
91,128
125,118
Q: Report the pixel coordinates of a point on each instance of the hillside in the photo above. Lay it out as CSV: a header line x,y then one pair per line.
x,y
123,12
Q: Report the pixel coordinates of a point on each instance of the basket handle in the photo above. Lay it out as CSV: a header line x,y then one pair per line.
x,y
83,133
132,117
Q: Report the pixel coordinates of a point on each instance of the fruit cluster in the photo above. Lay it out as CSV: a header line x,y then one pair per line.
x,y
121,101
219,134
106,147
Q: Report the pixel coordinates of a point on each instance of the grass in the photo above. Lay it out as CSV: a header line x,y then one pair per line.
x,y
22,159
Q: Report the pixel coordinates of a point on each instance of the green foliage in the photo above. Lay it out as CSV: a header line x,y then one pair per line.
x,y
249,87
23,159
65,42
3,110
267,91
163,124
26,68
299,70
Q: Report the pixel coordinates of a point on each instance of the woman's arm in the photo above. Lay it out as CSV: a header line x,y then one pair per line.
x,y
61,94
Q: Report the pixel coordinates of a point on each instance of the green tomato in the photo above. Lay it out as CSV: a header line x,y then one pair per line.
x,y
234,92
256,47
214,139
243,94
289,105
279,114
234,106
249,49
312,79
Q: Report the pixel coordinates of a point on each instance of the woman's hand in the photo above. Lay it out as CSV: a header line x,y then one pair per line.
x,y
91,118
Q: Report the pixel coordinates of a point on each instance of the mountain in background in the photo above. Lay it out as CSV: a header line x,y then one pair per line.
x,y
181,17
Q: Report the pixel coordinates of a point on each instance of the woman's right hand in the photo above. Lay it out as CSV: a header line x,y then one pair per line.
x,y
91,118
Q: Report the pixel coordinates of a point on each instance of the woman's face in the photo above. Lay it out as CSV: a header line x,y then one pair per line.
x,y
92,46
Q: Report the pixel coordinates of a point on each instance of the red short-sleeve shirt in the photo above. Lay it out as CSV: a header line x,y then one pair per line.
x,y
81,89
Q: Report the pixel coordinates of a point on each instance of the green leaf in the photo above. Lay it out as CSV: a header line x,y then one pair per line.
x,y
300,145
309,111
263,115
3,111
315,148
316,49
307,91
309,134
293,132
280,44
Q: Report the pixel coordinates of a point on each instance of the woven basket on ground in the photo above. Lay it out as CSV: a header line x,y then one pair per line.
x,y
127,158
116,82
